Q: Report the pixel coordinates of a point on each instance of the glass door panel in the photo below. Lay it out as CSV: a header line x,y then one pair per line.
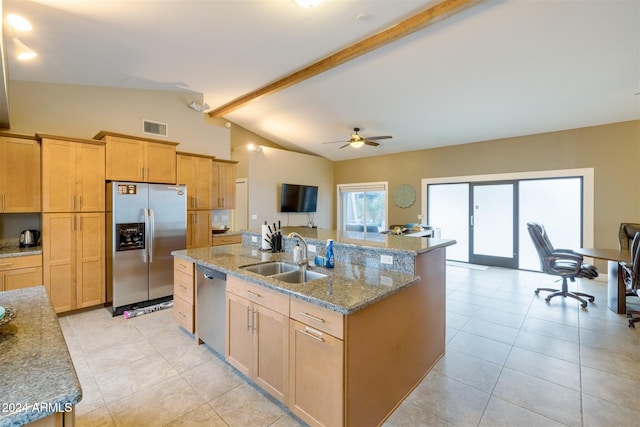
x,y
492,225
449,211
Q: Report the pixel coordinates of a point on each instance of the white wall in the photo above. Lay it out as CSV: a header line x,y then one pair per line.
x,y
82,111
268,169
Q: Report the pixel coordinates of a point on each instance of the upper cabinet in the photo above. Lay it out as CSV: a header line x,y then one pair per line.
x,y
131,158
19,174
73,174
196,172
224,184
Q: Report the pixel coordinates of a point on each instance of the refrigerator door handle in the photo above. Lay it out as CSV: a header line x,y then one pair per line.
x,y
152,226
146,235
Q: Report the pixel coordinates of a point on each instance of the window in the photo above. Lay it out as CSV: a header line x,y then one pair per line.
x,y
362,207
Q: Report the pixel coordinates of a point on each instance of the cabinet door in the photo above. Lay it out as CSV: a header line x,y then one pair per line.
x,y
198,229
160,162
21,278
90,177
125,159
204,183
58,176
224,185
58,259
239,333
186,172
90,261
316,376
20,175
271,352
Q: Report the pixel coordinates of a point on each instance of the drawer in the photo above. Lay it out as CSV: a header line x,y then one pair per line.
x,y
317,317
11,263
183,265
183,313
266,297
226,240
183,286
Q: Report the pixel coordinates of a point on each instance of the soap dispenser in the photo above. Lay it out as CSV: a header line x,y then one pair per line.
x,y
329,255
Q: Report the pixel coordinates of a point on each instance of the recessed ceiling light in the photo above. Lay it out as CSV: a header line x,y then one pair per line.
x,y
307,4
18,23
22,51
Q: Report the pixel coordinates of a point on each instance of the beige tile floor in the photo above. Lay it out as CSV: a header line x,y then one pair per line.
x,y
511,360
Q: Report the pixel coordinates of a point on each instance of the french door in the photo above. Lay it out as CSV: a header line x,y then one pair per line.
x,y
493,225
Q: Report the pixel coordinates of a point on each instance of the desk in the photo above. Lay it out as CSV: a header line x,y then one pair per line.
x,y
616,289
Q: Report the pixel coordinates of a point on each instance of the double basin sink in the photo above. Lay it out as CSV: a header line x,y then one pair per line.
x,y
284,271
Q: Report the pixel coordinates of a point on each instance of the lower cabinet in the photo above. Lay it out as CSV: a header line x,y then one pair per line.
x,y
73,258
258,335
20,272
316,365
183,294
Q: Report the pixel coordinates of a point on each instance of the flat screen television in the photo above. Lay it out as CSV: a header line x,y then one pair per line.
x,y
298,198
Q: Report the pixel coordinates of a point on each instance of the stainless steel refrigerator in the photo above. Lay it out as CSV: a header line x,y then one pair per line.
x,y
145,222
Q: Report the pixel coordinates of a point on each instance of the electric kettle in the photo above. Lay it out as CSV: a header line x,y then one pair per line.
x,y
29,238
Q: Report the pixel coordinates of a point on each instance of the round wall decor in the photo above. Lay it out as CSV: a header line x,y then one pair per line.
x,y
404,196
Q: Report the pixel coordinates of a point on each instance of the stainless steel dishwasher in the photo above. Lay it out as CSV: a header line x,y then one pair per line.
x,y
211,307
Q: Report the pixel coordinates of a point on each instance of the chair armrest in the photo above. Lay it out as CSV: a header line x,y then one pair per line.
x,y
572,260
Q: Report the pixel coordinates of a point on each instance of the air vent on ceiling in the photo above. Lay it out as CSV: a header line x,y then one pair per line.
x,y
154,128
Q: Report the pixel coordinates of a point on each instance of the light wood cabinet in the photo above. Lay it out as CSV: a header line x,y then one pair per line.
x,y
198,229
20,272
196,172
19,174
316,365
224,184
130,158
219,240
184,294
73,175
73,258
258,335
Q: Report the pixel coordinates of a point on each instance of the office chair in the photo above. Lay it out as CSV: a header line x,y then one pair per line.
x,y
632,279
560,262
626,234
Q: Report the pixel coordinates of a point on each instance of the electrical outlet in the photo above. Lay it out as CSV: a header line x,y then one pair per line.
x,y
419,217
386,281
254,252
386,259
254,239
224,217
254,216
311,248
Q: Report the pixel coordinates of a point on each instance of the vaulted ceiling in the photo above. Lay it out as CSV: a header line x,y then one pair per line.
x,y
492,70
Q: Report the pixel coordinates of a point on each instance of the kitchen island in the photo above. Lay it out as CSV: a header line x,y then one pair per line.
x,y
38,382
345,349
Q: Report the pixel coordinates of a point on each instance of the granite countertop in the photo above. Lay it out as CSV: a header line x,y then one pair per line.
x,y
347,288
14,251
37,376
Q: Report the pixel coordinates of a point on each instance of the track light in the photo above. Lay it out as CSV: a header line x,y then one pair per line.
x,y
22,51
198,107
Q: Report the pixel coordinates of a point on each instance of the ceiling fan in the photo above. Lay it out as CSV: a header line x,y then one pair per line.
x,y
357,141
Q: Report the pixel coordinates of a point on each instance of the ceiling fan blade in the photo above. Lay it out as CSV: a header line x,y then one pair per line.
x,y
335,142
375,138
374,144
346,145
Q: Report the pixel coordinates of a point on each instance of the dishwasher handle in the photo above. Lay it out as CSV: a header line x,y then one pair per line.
x,y
213,274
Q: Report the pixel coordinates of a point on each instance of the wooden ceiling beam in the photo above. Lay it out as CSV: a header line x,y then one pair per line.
x,y
403,28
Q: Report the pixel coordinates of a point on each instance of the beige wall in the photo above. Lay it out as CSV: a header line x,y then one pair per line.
x,y
612,150
82,111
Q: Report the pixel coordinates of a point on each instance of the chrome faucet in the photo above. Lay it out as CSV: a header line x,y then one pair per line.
x,y
303,262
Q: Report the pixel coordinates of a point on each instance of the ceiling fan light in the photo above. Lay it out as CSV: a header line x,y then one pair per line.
x,y
308,4
357,144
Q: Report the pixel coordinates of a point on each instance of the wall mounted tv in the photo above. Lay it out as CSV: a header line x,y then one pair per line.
x,y
298,198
